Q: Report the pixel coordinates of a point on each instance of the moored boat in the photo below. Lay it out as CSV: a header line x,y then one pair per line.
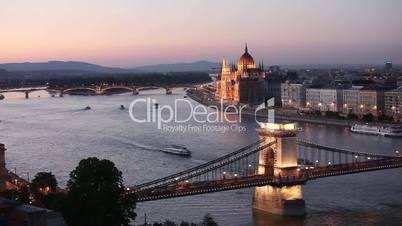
x,y
375,129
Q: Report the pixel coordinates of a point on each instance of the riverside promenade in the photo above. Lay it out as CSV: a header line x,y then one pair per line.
x,y
207,98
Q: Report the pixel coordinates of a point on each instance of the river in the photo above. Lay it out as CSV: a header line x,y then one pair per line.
x,y
53,134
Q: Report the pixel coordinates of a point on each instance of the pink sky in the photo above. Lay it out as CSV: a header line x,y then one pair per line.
x,y
137,32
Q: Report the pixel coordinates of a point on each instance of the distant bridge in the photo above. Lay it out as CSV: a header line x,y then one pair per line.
x,y
98,90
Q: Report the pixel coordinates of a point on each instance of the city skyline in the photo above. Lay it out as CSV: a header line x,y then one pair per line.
x,y
134,33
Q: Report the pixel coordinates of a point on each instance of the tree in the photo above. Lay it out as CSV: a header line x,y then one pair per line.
x,y
208,221
96,195
24,195
44,181
8,194
385,118
352,116
368,117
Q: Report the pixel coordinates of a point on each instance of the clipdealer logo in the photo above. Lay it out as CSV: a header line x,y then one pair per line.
x,y
222,118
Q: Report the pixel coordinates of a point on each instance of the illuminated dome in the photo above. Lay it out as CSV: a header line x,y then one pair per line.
x,y
246,60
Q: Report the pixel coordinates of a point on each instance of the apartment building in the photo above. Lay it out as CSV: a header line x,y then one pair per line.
x,y
293,95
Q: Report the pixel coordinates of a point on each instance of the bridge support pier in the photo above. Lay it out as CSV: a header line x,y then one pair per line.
x,y
286,201
280,163
26,94
135,91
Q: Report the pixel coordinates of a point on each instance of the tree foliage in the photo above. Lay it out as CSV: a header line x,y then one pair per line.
x,y
132,79
96,195
44,180
208,221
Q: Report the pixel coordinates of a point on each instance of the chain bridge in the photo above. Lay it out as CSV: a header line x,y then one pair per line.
x,y
278,164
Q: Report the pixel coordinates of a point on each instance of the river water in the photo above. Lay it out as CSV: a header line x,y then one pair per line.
x,y
54,134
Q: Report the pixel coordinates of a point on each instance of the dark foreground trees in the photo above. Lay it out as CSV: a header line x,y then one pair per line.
x,y
96,196
44,181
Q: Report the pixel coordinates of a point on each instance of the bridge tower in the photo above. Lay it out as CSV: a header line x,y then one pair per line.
x,y
280,162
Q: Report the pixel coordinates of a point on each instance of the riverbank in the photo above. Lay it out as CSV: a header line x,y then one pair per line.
x,y
206,98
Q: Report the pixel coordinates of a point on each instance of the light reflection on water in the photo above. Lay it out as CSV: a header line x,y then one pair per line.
x,y
53,134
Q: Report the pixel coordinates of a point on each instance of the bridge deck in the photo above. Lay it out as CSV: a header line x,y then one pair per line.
x,y
202,187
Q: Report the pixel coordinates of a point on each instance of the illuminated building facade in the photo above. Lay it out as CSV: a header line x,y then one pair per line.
x,y
242,84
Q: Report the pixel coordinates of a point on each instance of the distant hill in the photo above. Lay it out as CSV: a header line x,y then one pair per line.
x,y
64,65
195,66
77,67
5,73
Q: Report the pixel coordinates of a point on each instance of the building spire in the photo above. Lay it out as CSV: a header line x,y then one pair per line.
x,y
245,48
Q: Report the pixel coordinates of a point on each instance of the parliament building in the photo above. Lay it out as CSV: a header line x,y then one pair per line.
x,y
243,84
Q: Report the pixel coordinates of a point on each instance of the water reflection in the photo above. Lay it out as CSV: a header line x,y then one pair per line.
x,y
261,218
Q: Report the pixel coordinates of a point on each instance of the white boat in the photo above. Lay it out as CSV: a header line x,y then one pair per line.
x,y
383,130
177,150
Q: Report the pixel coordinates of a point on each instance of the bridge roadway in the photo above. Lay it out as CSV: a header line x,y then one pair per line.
x,y
190,182
356,167
28,89
308,173
201,187
310,144
211,165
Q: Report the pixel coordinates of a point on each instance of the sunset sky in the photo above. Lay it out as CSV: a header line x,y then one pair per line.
x,y
129,33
